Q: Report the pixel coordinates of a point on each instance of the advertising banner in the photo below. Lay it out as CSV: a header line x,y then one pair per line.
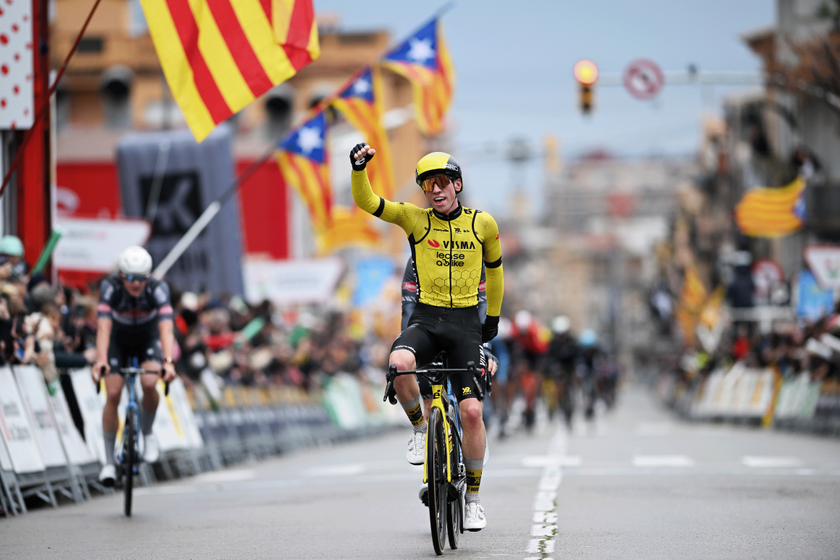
x,y
33,392
169,179
95,245
15,429
291,282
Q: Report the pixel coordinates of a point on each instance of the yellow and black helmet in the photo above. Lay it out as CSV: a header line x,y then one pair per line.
x,y
435,164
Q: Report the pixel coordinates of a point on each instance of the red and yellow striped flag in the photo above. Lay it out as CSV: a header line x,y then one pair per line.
x,y
772,212
220,55
361,104
424,59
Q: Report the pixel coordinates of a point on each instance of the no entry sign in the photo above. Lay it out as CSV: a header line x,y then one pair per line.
x,y
643,79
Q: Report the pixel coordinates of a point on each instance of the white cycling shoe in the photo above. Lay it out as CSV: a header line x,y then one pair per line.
x,y
474,519
151,450
108,475
416,448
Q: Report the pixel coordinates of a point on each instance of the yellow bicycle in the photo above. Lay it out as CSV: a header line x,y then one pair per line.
x,y
443,470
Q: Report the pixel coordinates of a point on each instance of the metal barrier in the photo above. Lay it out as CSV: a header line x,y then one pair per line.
x,y
45,454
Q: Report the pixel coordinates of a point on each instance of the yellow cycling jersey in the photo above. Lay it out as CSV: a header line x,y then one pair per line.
x,y
447,251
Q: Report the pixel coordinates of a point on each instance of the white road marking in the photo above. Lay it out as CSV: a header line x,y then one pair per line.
x,y
770,462
662,461
225,476
544,528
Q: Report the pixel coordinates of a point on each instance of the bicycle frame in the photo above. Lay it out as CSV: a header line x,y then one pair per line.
x,y
440,398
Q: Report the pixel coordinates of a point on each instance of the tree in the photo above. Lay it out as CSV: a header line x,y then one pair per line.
x,y
817,72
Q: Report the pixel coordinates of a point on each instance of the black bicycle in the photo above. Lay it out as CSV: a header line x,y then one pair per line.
x,y
130,456
443,470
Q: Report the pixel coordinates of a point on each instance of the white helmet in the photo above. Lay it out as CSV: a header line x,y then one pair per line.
x,y
135,260
522,319
560,324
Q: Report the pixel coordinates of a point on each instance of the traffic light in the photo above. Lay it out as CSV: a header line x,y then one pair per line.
x,y
586,73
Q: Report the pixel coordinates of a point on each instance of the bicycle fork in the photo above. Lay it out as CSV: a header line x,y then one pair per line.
x,y
437,402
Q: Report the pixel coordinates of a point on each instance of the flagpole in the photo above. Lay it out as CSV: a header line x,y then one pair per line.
x,y
215,206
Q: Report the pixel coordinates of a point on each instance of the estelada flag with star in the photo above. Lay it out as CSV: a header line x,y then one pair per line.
x,y
220,55
361,103
772,212
303,161
424,59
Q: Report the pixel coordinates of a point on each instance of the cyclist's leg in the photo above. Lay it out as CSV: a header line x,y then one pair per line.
x,y
413,345
113,392
150,359
474,433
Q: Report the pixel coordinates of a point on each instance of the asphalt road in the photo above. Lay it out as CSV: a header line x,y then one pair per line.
x,y
636,483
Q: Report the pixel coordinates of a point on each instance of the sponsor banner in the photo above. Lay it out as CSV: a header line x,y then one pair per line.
x,y
828,402
371,276
90,405
95,245
33,392
78,453
824,262
170,179
17,434
814,302
292,281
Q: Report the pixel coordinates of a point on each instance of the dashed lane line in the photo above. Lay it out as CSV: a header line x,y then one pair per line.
x,y
544,528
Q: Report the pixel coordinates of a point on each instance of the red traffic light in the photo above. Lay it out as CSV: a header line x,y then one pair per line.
x,y
586,72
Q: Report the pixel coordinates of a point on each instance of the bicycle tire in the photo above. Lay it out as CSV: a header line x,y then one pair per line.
x,y
436,480
130,456
455,511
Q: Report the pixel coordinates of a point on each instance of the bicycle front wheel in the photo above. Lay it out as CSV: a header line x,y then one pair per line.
x,y
132,424
436,479
455,511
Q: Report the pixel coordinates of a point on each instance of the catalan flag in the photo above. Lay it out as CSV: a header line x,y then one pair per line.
x,y
220,55
303,162
424,59
772,212
361,104
692,298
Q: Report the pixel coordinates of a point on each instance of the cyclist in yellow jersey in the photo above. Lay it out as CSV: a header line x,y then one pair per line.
x,y
448,245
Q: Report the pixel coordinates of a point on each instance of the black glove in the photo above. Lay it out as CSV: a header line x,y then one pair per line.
x,y
359,164
490,328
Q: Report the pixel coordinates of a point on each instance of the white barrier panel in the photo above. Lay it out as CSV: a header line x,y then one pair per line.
x,y
168,426
15,429
90,405
184,412
30,382
77,450
5,460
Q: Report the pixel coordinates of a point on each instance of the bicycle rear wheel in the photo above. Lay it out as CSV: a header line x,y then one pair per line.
x,y
436,479
132,424
454,511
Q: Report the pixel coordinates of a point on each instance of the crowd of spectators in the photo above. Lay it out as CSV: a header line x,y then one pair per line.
x,y
794,348
222,336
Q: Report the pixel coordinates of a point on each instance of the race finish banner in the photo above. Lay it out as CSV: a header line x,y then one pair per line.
x,y
95,245
169,179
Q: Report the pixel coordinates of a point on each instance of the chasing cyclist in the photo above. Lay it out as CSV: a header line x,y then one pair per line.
x,y
135,321
448,244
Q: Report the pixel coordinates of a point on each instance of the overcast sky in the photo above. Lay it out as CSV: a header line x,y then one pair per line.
x,y
514,61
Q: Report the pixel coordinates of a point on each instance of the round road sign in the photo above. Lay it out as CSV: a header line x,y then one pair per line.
x,y
643,79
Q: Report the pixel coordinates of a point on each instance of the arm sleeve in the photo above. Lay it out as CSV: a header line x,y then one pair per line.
x,y
482,295
495,287
402,214
164,306
409,294
106,293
